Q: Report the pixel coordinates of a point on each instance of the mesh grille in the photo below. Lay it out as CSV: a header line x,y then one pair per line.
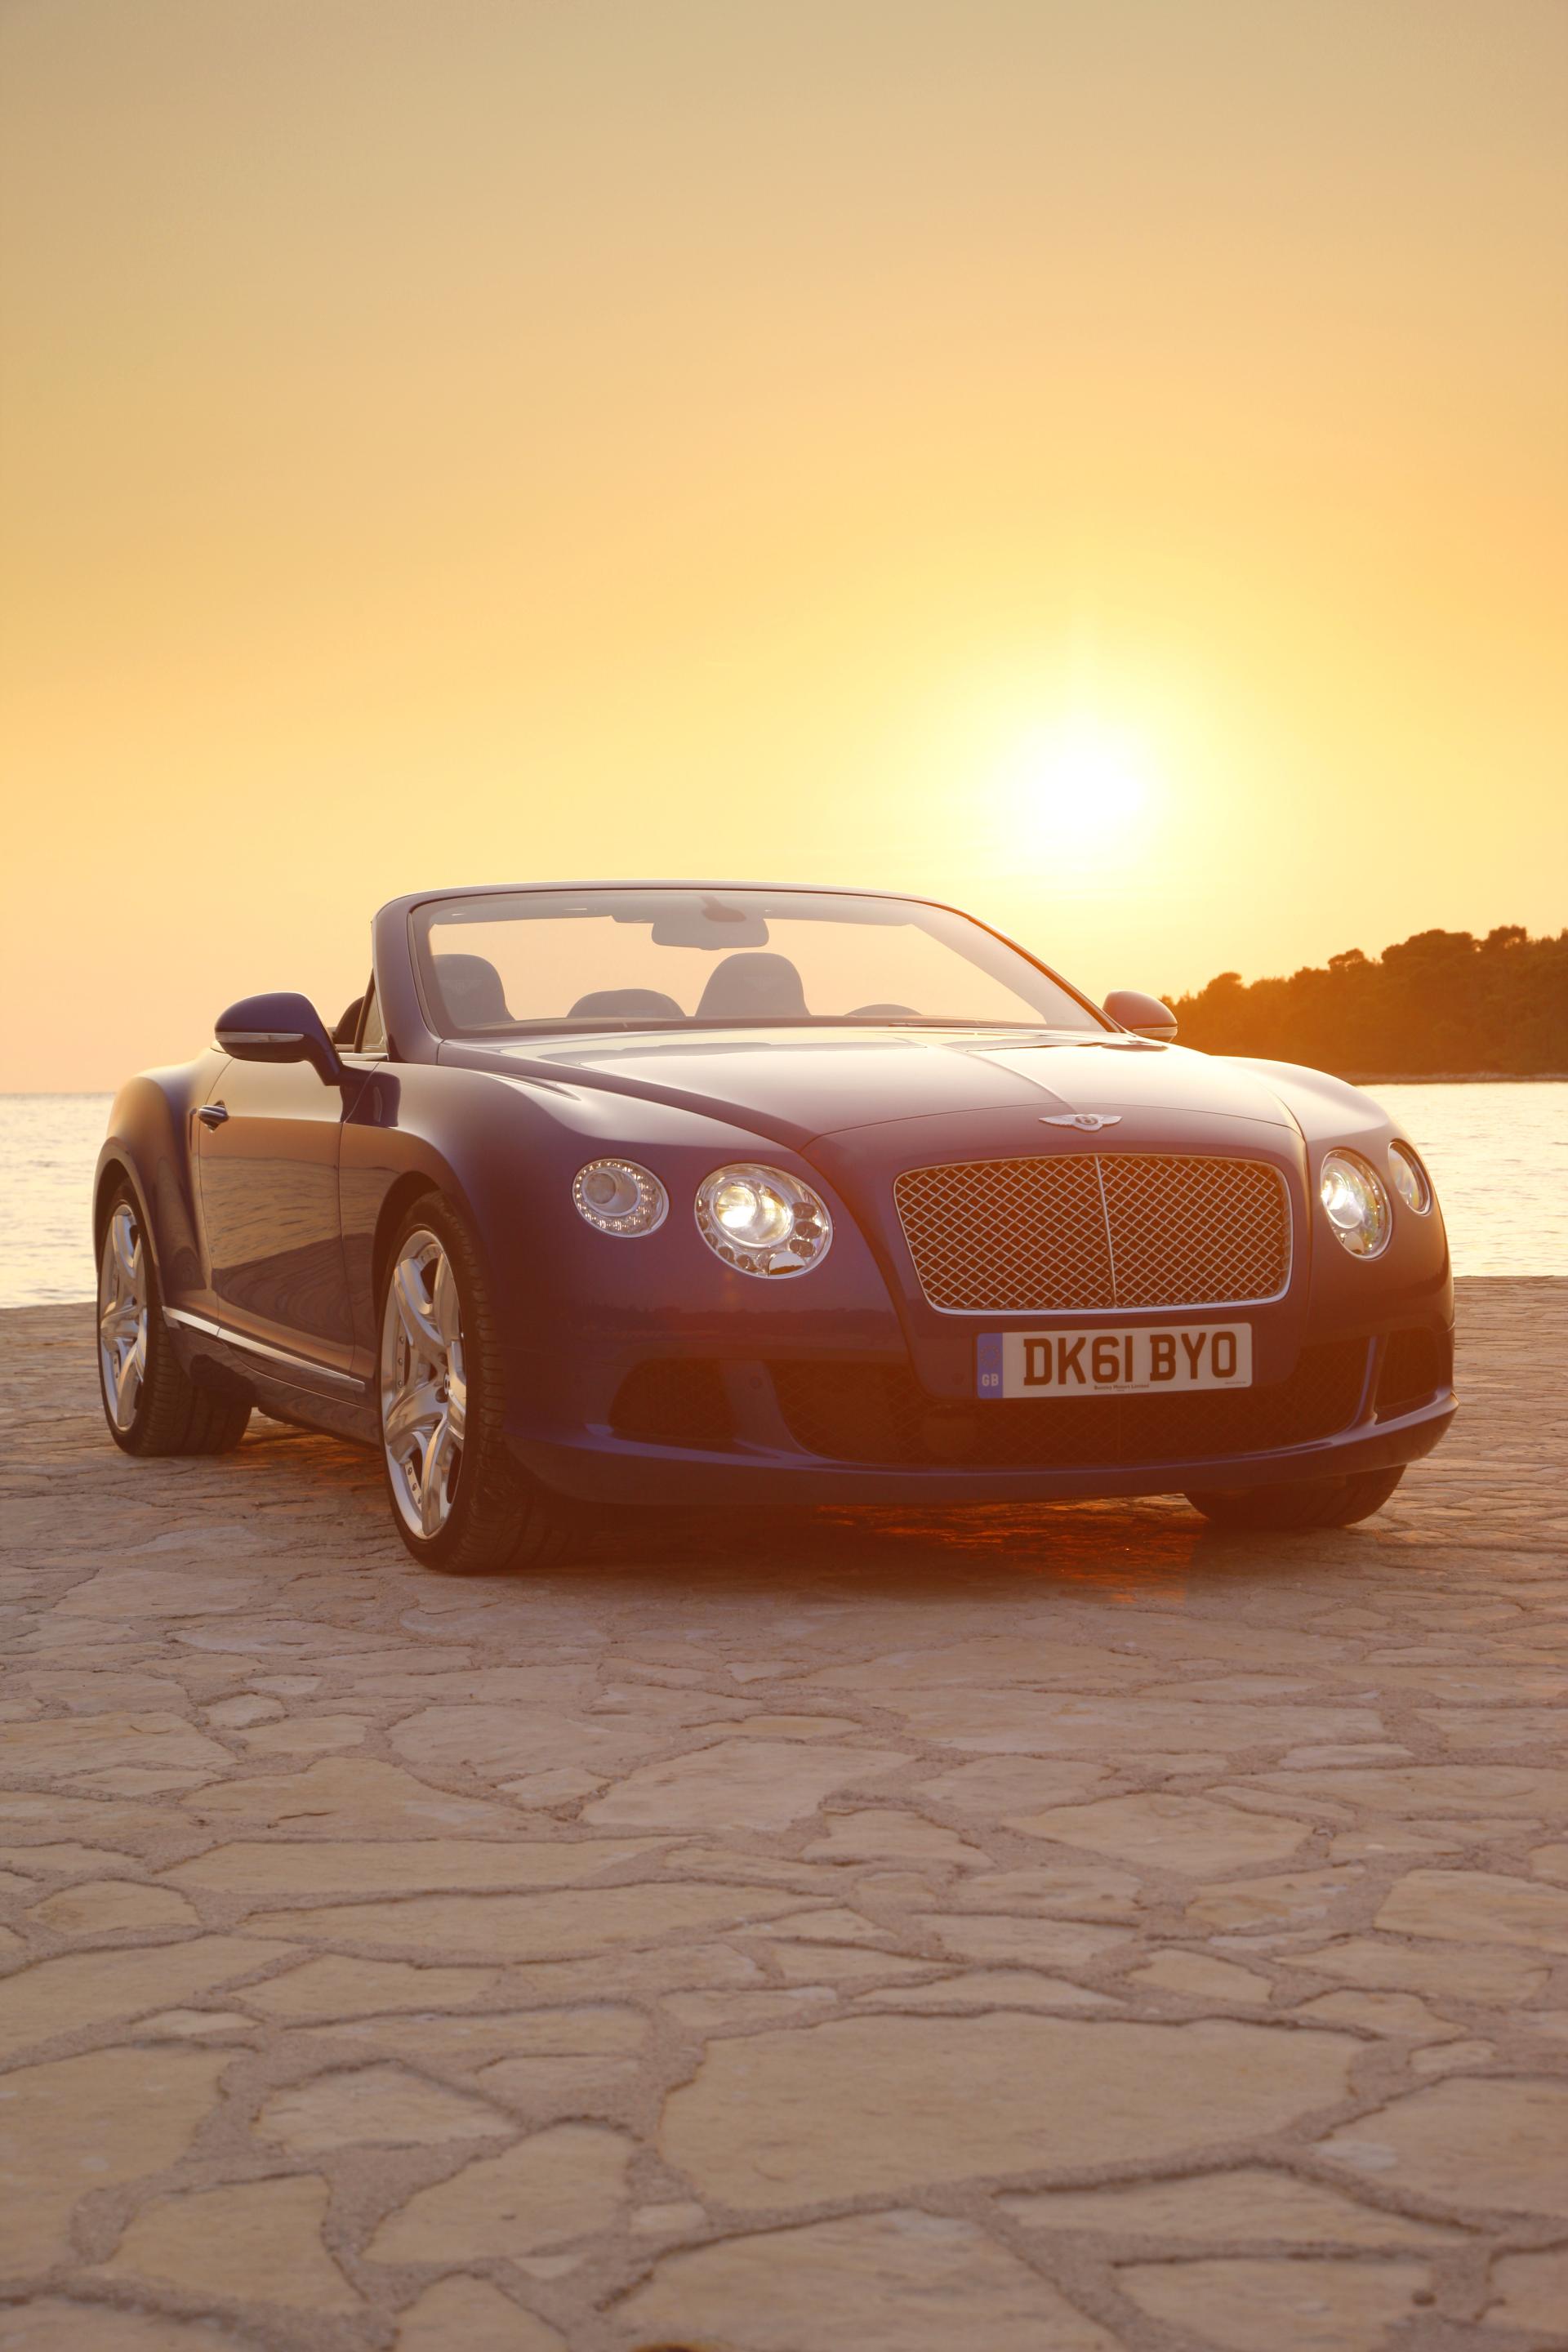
x,y
880,1414
1416,1365
673,1401
1094,1230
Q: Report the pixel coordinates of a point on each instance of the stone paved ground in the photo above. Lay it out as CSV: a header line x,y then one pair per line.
x,y
1045,1933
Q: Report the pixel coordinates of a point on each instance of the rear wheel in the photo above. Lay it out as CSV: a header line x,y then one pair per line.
x,y
1305,1503
458,1500
150,1401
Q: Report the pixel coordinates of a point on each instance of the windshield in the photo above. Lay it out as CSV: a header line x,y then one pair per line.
x,y
639,959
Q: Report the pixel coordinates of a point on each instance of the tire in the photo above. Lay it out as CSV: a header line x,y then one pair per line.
x,y
458,1501
150,1401
1305,1503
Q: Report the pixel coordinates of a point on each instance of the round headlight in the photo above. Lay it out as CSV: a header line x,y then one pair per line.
x,y
1354,1203
1410,1179
617,1196
763,1221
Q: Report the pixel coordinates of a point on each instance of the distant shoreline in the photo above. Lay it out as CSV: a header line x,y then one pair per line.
x,y
1452,1078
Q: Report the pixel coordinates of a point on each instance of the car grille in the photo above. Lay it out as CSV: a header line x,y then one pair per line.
x,y
878,1413
1094,1230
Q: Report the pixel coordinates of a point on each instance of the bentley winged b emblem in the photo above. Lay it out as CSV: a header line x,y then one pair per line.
x,y
1090,1121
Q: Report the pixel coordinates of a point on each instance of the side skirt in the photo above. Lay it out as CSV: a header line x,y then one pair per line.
x,y
311,1396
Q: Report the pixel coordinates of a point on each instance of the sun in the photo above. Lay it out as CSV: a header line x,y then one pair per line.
x,y
1082,782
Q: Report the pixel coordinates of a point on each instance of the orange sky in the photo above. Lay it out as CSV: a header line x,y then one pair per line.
x,y
1102,461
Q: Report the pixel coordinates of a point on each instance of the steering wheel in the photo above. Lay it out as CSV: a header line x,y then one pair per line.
x,y
883,1013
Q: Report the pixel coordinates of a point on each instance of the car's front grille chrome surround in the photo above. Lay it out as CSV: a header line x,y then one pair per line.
x,y
1087,1232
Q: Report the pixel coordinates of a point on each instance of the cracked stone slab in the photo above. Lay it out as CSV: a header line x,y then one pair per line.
x,y
874,2104
1249,2206
347,1796
581,1921
386,2104
1293,2305
761,1784
1483,2143
1529,2292
1190,1834
85,1989
76,2123
259,2240
403,1866
560,2185
57,1749
895,2282
1479,1972
1476,1907
469,2315
55,2324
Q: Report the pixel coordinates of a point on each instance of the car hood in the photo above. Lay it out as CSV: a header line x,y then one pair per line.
x,y
800,1086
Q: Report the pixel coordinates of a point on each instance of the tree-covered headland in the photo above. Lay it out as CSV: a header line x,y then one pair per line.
x,y
1441,1005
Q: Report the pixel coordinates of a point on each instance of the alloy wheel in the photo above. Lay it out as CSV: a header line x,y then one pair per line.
x,y
122,1315
424,1386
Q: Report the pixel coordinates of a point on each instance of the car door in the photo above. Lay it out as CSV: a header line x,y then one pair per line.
x,y
271,1136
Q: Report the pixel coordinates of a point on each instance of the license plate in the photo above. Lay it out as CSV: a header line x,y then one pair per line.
x,y
1141,1359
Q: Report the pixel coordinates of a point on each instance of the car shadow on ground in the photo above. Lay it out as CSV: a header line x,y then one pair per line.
x,y
1128,1549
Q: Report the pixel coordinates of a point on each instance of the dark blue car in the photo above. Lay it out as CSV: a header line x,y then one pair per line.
x,y
692,1192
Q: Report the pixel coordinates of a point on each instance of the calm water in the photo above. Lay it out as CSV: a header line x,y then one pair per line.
x,y
1499,1156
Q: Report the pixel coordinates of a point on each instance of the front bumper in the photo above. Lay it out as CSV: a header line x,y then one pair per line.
x,y
616,1311
762,1462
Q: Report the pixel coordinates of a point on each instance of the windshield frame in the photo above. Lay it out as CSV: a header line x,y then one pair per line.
x,y
420,914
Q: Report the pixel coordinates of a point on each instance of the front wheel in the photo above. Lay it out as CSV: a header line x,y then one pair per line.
x,y
458,1501
1305,1503
150,1401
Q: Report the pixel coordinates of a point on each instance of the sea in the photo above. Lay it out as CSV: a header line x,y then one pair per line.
x,y
1498,1153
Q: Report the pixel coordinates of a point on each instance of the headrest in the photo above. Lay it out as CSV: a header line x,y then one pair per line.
x,y
753,985
470,991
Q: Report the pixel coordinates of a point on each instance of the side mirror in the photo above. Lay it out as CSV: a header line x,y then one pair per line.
x,y
280,1027
1144,1015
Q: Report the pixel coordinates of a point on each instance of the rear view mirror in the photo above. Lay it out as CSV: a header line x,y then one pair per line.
x,y
280,1027
1144,1015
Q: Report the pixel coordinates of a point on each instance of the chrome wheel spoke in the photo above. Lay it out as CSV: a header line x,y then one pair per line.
x,y
414,1310
415,1412
434,1472
444,1306
128,1381
127,1247
423,1395
123,1336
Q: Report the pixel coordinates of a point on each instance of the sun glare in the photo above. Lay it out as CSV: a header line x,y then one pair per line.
x,y
1081,782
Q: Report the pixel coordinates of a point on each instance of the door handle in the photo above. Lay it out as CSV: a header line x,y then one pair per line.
x,y
212,1114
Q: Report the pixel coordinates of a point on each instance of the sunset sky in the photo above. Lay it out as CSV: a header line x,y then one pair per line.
x,y
1101,461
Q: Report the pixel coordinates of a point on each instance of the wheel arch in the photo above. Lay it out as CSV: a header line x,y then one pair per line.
x,y
114,1169
413,1185
147,1147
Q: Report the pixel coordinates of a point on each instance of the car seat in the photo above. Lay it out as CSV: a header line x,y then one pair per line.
x,y
753,985
470,991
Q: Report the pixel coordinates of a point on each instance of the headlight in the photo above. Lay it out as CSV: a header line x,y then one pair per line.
x,y
617,1196
763,1221
1354,1203
1411,1181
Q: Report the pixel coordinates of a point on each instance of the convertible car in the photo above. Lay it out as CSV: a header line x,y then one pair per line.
x,y
682,1193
